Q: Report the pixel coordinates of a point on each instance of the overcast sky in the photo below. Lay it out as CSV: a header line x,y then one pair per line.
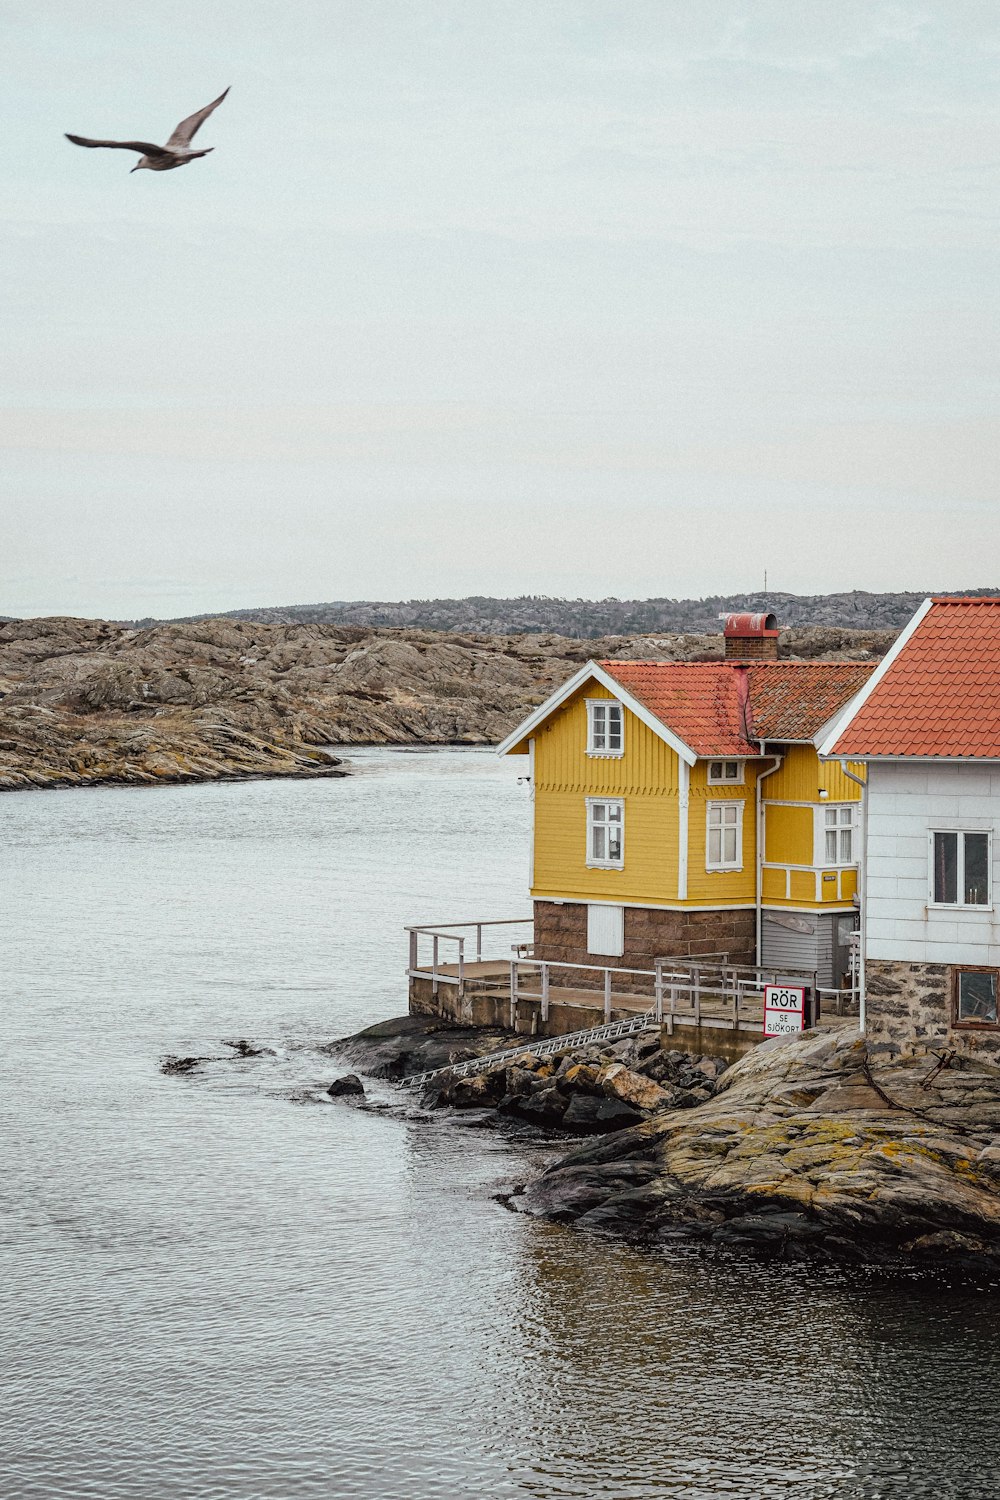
x,y
498,296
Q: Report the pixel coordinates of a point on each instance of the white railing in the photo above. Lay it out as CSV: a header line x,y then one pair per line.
x,y
703,990
681,990
470,946
842,1002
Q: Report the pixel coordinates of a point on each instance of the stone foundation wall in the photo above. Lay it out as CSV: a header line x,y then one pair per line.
x,y
561,935
909,1009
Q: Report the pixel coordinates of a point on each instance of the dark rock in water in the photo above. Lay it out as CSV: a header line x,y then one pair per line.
x,y
182,1064
478,1119
416,1044
243,1048
350,1084
591,1116
545,1107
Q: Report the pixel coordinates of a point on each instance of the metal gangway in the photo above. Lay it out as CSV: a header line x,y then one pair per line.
x,y
610,1031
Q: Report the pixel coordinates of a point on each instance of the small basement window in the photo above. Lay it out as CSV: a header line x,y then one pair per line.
x,y
975,997
726,770
606,832
605,727
960,869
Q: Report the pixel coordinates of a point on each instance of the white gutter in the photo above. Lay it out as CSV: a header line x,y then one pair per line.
x,y
683,803
759,897
531,792
862,891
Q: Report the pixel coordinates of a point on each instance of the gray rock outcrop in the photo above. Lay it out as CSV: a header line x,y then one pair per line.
x,y
804,1149
88,701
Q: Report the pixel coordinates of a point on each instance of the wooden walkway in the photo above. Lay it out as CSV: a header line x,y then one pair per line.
x,y
686,1001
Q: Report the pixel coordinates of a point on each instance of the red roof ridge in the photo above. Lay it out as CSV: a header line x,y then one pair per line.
x,y
965,599
741,665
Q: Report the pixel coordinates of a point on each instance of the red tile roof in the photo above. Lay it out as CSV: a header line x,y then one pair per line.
x,y
793,700
941,694
726,708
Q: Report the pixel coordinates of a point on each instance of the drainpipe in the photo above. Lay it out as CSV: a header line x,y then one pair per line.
x,y
862,891
760,845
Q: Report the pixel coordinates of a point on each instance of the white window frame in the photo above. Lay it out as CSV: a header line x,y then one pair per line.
x,y
723,864
820,831
717,770
592,823
960,833
601,751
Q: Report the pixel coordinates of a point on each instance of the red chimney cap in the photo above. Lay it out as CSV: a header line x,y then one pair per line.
x,y
742,626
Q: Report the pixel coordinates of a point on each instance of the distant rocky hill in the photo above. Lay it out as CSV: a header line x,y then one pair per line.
x,y
88,701
535,614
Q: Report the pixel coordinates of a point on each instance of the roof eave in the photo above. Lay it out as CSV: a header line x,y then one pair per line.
x,y
925,760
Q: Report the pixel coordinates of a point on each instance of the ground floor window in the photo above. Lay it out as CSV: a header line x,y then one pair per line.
x,y
976,997
724,836
606,832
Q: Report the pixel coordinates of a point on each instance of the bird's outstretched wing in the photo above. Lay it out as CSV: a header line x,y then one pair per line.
x,y
185,131
143,147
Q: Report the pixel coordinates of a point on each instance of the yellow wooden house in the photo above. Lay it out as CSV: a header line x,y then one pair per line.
x,y
681,809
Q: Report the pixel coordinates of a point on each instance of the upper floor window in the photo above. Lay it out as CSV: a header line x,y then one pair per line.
x,y
605,727
606,832
726,770
838,835
724,836
960,869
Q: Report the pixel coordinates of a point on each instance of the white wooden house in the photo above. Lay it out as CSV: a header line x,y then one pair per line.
x,y
927,726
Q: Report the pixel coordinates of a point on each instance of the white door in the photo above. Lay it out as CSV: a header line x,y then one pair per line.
x,y
606,930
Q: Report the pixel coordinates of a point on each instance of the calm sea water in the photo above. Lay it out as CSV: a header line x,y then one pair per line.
x,y
214,1286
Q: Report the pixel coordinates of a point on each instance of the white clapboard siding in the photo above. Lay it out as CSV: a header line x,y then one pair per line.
x,y
905,802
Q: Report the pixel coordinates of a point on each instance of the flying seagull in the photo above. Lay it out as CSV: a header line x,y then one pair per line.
x,y
176,153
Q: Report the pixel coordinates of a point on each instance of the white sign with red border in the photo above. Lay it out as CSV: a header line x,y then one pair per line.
x,y
784,1009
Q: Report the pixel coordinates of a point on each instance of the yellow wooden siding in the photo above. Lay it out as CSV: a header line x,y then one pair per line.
x,y
803,888
562,763
645,776
788,834
721,887
649,876
802,775
785,886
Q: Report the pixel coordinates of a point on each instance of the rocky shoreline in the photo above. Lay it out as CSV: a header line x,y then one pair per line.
x,y
91,702
802,1149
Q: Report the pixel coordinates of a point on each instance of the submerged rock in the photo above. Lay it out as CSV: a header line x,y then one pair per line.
x,y
243,1048
182,1064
